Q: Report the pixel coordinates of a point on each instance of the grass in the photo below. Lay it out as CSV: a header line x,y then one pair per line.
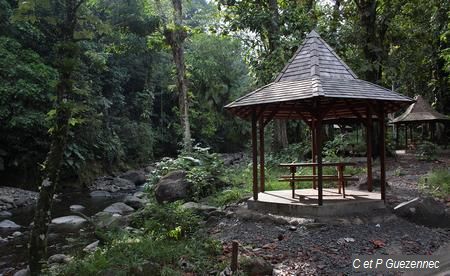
x,y
436,183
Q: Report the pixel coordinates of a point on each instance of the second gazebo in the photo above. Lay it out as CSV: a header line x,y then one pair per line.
x,y
419,113
316,86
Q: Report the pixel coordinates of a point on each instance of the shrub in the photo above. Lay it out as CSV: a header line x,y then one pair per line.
x,y
427,151
436,183
164,221
204,170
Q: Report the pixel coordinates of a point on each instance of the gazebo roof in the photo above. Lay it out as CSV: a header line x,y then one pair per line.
x,y
316,76
420,111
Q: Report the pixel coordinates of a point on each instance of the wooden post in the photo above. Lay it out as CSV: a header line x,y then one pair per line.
x,y
396,136
319,159
293,171
262,184
255,156
369,150
314,150
234,256
382,152
406,137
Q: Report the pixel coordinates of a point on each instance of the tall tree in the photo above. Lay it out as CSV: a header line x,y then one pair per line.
x,y
175,36
367,10
65,23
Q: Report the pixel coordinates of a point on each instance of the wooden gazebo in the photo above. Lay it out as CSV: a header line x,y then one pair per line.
x,y
316,86
418,113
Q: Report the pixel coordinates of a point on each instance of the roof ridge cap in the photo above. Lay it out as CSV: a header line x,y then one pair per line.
x,y
314,58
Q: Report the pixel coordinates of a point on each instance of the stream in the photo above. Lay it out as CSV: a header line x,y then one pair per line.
x,y
13,249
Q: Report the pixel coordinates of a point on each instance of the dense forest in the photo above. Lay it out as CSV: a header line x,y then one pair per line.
x,y
127,82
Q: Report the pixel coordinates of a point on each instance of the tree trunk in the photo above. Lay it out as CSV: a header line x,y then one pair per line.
x,y
280,139
175,39
280,130
335,19
68,55
367,10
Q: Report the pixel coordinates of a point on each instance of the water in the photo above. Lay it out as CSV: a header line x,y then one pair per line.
x,y
13,254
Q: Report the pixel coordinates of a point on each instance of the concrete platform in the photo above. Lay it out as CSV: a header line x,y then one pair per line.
x,y
282,203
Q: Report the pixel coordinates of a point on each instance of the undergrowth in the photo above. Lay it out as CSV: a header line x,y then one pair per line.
x,y
436,183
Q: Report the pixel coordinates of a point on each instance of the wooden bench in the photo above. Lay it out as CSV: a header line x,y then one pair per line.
x,y
328,178
340,177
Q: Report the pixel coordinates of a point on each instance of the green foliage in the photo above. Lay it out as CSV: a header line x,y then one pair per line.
x,y
335,149
233,195
128,253
436,183
427,151
204,170
166,221
27,84
292,153
168,234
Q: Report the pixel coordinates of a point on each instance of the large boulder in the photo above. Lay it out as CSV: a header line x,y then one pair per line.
x,y
5,214
68,223
109,221
135,202
77,208
136,176
101,183
59,259
111,184
100,194
121,184
9,225
14,197
119,208
91,247
173,186
426,211
199,208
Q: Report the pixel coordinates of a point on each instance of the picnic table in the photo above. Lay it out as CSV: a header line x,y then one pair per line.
x,y
340,177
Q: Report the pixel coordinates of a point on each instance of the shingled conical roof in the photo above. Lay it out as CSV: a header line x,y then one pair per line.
x,y
316,74
420,111
315,58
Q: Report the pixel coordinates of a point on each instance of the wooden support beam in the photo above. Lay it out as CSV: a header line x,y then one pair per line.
x,y
262,184
396,135
313,149
319,159
369,127
260,112
270,117
309,123
406,137
255,156
382,126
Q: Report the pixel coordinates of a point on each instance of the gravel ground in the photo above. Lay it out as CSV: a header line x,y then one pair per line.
x,y
326,247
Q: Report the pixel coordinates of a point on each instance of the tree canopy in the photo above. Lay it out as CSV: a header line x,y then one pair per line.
x,y
124,104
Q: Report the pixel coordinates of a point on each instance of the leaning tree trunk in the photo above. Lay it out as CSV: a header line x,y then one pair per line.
x,y
68,53
280,139
175,39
